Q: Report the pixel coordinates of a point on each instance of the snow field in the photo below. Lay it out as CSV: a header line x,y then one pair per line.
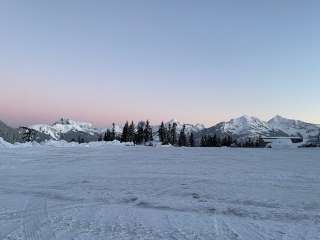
x,y
114,192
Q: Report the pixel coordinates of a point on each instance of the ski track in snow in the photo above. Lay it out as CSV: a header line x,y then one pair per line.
x,y
138,192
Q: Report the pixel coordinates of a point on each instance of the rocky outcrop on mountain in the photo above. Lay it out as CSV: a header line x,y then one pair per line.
x,y
9,134
79,136
31,135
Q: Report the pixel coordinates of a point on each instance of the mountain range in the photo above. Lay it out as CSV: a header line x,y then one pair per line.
x,y
244,126
247,126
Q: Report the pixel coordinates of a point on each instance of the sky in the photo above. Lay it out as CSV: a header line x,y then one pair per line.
x,y
196,61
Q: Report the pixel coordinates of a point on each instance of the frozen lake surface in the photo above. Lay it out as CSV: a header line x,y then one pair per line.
x,y
118,192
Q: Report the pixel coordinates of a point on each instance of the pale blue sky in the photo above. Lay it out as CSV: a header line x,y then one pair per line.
x,y
197,61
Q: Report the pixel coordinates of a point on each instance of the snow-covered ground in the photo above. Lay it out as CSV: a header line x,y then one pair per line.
x,y
109,191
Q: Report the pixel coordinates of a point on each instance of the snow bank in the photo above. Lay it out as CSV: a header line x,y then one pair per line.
x,y
62,143
102,143
4,144
283,143
276,143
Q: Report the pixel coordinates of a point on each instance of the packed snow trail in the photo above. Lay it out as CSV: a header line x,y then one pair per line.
x,y
117,192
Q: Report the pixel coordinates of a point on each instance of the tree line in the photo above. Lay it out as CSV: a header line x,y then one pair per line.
x,y
228,141
142,134
168,135
215,141
251,142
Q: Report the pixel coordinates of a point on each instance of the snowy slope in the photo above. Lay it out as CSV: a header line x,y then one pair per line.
x,y
65,125
4,144
294,127
246,125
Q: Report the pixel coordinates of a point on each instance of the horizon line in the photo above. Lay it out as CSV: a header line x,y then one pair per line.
x,y
164,121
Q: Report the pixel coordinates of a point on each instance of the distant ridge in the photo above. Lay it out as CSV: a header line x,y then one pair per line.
x,y
244,126
241,127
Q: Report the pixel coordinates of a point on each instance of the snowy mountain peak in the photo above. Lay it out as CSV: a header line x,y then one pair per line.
x,y
70,122
294,127
280,119
64,125
245,125
245,119
62,120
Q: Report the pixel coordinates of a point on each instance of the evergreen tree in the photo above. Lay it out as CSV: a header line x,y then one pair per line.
x,y
249,143
168,134
224,141
100,138
229,141
125,132
182,137
109,135
139,139
218,141
148,132
210,141
113,132
161,133
191,140
260,142
203,142
173,134
106,136
214,141
131,132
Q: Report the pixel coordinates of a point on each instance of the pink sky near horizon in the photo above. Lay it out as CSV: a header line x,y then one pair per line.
x,y
199,63
21,105
27,102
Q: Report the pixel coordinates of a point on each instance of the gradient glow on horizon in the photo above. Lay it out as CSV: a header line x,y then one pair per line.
x,y
197,61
